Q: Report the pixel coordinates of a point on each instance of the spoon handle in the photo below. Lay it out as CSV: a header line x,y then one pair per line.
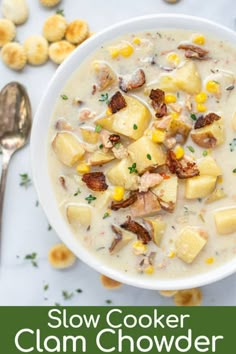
x,y
6,156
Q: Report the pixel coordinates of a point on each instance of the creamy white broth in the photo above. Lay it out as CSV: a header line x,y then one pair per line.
x,y
150,55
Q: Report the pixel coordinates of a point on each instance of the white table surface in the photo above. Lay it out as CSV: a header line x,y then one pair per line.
x,y
25,227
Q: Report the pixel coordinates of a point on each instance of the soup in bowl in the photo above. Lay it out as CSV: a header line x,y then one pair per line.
x,y
138,152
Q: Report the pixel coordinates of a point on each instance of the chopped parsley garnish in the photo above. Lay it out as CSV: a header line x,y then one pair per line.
x,y
104,98
37,203
90,199
193,116
149,157
46,287
135,127
77,192
108,302
205,153
98,128
79,291
57,304
117,145
25,180
49,227
64,97
234,170
60,12
133,169
233,145
201,217
66,295
191,149
106,215
32,257
101,146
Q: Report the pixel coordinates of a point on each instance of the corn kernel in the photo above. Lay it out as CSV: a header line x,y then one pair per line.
x,y
170,99
137,40
126,50
210,260
149,270
213,86
158,136
201,97
108,112
173,58
172,254
114,52
220,180
118,194
179,152
139,247
174,115
199,39
83,168
201,107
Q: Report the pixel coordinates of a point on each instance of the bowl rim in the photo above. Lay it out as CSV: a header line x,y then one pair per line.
x,y
38,147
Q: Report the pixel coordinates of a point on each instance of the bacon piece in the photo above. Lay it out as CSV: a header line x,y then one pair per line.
x,y
185,168
194,52
133,81
114,138
136,228
206,120
95,181
158,102
149,180
117,102
124,203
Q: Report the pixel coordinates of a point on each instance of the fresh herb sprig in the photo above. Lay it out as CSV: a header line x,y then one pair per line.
x,y
33,258
133,169
25,181
90,199
104,98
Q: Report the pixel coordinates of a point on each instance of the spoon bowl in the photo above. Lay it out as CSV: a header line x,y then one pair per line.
x,y
15,127
15,116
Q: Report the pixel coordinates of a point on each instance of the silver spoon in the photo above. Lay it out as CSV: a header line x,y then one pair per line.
x,y
15,127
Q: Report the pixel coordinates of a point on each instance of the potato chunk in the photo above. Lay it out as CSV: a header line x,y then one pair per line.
x,y
208,167
200,186
78,215
189,243
225,221
188,79
158,228
135,114
89,136
180,128
67,148
145,154
210,136
167,192
119,175
100,158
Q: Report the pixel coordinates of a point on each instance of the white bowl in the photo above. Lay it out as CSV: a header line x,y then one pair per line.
x,y
39,146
